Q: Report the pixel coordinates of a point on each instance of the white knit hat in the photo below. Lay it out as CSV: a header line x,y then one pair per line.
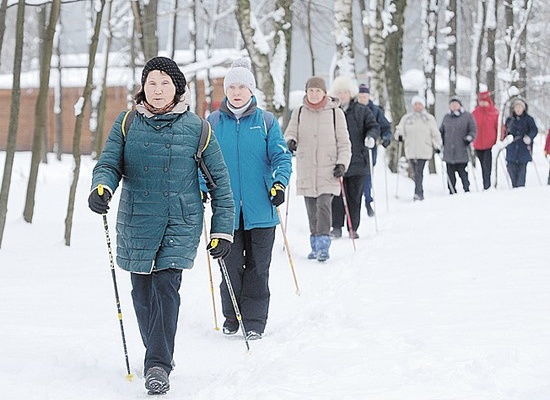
x,y
240,73
418,99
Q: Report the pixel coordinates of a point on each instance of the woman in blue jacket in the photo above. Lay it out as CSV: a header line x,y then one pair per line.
x,y
160,213
520,130
259,165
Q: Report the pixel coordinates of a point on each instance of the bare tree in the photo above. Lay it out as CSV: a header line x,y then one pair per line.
x,y
451,35
377,55
41,105
476,57
58,94
309,37
81,105
172,29
430,13
14,116
145,18
490,60
344,57
3,9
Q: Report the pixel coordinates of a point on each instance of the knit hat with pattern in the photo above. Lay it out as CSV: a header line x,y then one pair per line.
x,y
168,66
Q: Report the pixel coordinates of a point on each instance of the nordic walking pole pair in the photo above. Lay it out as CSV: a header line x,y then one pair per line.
x,y
210,277
346,209
283,229
129,375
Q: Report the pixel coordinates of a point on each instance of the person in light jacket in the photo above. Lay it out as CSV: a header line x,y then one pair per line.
x,y
418,130
318,134
160,212
458,131
259,165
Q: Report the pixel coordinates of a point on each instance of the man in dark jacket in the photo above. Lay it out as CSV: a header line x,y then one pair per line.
x,y
458,130
520,132
363,133
363,97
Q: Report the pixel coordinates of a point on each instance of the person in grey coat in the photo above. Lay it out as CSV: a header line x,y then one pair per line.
x,y
458,130
160,213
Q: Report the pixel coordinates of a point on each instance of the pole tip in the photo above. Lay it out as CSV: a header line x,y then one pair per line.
x,y
129,377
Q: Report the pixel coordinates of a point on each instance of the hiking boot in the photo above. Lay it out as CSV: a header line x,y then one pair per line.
x,y
353,235
336,233
370,210
230,327
418,197
323,245
313,242
156,381
253,335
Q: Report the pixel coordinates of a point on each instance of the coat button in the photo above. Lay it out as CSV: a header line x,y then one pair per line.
x,y
165,169
165,194
167,145
146,168
146,144
146,193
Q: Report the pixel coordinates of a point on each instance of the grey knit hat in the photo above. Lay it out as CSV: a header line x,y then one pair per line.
x,y
240,73
168,66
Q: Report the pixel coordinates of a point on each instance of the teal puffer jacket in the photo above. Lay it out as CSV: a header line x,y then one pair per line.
x,y
160,213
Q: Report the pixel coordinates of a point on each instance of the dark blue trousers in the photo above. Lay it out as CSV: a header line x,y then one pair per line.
x,y
156,303
517,172
248,268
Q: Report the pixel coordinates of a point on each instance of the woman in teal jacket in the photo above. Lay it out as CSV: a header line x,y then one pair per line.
x,y
160,212
259,165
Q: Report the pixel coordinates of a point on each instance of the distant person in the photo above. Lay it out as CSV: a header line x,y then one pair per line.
x,y
160,212
418,130
363,134
486,117
259,165
547,151
363,97
318,134
520,133
458,131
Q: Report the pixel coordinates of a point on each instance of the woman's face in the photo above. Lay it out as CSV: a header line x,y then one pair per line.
x,y
519,109
315,95
238,95
159,89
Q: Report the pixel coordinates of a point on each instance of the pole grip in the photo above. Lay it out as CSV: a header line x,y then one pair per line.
x,y
100,189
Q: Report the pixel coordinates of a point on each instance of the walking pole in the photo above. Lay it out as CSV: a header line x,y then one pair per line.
x,y
210,277
286,212
472,168
233,300
399,148
386,181
347,213
288,252
371,168
129,375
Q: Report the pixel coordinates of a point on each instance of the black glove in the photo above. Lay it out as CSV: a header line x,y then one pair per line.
x,y
339,171
204,197
386,142
468,139
277,194
99,203
219,248
437,151
291,144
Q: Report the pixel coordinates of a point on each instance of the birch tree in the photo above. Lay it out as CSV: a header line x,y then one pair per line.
x,y
477,45
377,53
450,40
344,59
14,116
79,111
430,14
490,58
41,106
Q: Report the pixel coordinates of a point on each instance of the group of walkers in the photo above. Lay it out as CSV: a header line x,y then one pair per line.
x,y
459,133
169,172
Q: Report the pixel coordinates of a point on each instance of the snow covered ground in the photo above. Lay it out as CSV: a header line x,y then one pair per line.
x,y
448,300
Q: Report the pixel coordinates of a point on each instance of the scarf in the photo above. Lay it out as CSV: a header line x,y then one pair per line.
x,y
163,110
316,106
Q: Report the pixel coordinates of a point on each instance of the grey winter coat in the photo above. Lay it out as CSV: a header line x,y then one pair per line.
x,y
160,213
322,141
457,132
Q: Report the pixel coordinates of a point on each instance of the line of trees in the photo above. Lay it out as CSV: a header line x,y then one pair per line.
x,y
370,31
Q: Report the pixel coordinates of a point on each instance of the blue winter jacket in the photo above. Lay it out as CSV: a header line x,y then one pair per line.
x,y
519,126
256,156
160,213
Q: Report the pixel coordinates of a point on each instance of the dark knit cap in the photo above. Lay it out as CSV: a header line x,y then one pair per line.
x,y
316,82
363,88
457,99
168,66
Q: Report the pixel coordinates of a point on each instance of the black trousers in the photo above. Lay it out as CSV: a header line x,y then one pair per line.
x,y
517,172
486,162
417,165
156,303
353,186
459,168
248,269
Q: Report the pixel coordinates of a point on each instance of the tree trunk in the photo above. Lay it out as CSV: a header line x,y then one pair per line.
x,y
365,24
82,102
393,62
145,18
99,137
491,26
283,52
172,30
377,57
451,42
58,95
14,116
3,8
477,47
430,12
40,117
344,65
193,45
310,38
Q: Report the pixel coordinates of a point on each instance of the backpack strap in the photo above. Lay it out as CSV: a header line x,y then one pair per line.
x,y
204,141
127,122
